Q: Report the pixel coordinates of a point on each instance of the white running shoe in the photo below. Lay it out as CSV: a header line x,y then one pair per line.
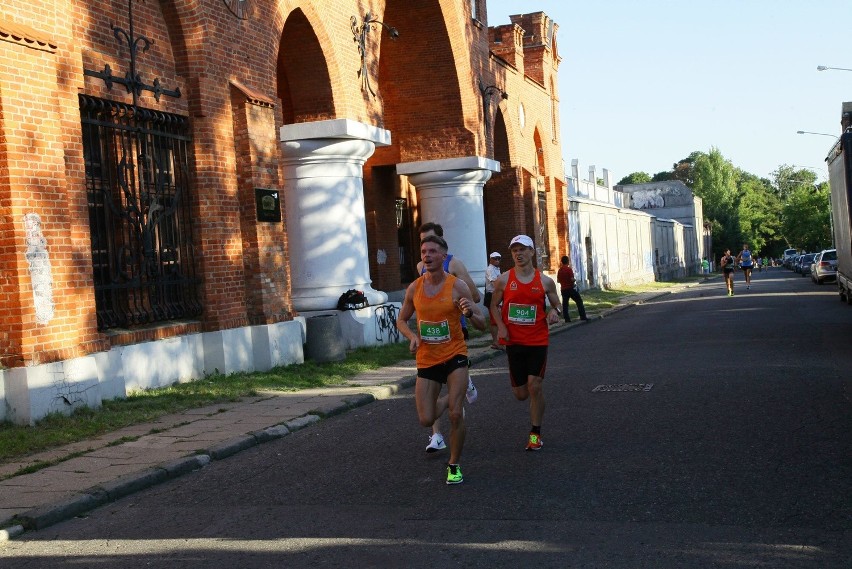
x,y
436,443
472,393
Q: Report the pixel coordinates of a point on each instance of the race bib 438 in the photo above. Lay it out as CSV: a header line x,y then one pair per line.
x,y
434,332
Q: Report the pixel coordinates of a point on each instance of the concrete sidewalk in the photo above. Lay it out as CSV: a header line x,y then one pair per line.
x,y
91,473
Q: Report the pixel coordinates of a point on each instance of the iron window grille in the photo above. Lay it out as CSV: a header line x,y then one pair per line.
x,y
139,198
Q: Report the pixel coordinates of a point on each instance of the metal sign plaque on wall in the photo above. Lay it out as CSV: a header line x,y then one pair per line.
x,y
268,204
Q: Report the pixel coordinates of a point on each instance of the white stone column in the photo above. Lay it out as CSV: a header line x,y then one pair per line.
x,y
449,192
324,204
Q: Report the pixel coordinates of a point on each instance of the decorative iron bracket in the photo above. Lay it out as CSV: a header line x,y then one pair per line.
x,y
486,93
132,80
359,33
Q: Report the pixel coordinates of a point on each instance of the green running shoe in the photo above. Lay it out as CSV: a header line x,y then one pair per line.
x,y
534,442
454,474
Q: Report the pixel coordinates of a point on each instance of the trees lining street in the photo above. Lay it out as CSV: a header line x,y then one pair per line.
x,y
789,210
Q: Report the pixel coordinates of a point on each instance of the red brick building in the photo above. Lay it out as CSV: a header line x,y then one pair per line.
x,y
197,172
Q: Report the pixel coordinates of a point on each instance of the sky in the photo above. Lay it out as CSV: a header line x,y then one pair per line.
x,y
644,83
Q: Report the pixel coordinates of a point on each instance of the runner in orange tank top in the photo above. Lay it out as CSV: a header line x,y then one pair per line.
x,y
438,299
522,323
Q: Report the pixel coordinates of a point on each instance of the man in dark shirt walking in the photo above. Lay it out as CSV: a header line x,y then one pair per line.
x,y
568,284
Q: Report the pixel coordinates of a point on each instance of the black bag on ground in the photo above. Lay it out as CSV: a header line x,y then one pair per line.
x,y
352,300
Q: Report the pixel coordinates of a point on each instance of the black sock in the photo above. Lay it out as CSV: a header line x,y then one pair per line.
x,y
535,430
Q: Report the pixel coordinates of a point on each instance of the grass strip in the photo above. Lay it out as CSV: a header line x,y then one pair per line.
x,y
149,405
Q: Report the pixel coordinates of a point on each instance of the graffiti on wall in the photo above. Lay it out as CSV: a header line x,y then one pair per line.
x,y
386,330
41,276
648,199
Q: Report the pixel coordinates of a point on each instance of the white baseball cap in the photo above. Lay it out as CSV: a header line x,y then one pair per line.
x,y
495,255
524,240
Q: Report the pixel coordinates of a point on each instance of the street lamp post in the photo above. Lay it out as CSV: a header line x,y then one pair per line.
x,y
819,133
824,68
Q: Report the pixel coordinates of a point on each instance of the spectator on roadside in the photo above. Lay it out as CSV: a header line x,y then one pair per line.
x,y
492,272
568,286
705,266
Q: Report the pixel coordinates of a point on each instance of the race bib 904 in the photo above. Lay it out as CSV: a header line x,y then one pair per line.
x,y
523,314
434,332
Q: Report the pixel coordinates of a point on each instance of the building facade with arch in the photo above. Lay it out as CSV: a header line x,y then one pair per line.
x,y
182,182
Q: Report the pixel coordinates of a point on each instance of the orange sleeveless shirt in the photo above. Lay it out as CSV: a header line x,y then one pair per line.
x,y
438,324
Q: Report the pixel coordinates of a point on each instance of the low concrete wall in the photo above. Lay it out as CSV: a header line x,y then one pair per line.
x,y
28,394
3,412
369,326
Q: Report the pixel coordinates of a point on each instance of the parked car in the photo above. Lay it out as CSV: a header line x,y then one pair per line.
x,y
803,265
825,266
792,261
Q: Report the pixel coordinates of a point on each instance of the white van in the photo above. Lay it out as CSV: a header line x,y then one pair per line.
x,y
788,255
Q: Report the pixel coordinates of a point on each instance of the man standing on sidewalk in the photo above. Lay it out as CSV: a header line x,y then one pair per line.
x,y
523,327
492,272
568,284
438,298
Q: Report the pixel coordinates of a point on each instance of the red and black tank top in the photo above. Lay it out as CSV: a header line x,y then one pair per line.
x,y
524,311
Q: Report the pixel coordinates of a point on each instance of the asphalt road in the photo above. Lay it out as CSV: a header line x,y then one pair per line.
x,y
738,455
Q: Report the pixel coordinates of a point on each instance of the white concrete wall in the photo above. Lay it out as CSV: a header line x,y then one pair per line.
x,y
613,241
621,246
368,326
3,412
28,394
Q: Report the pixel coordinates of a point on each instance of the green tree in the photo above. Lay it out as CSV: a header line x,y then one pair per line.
x,y
758,213
684,170
715,182
788,209
635,178
806,217
787,178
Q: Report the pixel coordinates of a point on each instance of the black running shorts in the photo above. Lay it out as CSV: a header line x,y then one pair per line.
x,y
441,372
525,361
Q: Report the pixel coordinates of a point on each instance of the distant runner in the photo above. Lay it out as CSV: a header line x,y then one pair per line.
x,y
746,262
728,264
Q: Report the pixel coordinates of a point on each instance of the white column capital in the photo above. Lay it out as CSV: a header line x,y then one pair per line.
x,y
450,194
325,158
337,129
467,163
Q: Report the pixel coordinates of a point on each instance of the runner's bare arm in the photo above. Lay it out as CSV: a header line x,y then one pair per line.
x,y
496,300
555,312
405,313
464,300
458,269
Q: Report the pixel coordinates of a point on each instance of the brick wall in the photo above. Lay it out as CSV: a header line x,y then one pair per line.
x,y
293,61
